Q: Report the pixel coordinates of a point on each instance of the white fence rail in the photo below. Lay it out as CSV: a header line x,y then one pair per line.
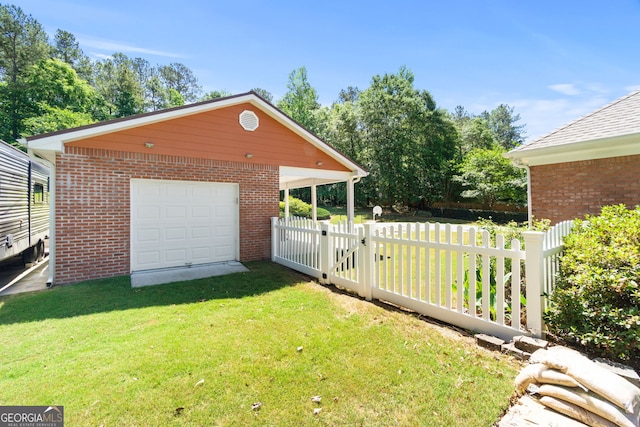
x,y
453,273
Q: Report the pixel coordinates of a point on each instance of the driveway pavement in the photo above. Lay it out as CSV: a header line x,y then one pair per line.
x,y
15,278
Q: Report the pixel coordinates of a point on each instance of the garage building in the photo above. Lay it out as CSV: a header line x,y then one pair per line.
x,y
177,188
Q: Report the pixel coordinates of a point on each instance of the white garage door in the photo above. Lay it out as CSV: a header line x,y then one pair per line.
x,y
181,223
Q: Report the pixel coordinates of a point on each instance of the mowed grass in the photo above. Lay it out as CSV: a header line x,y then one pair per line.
x,y
249,349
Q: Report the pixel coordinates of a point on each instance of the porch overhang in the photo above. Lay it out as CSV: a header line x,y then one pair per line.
x,y
293,177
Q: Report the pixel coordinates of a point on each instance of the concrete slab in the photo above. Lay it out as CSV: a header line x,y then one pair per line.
x,y
16,279
178,274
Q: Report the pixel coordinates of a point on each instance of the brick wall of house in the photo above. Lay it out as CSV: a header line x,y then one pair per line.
x,y
571,190
93,206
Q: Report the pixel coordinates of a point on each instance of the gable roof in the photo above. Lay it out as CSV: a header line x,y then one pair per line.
x,y
610,131
48,144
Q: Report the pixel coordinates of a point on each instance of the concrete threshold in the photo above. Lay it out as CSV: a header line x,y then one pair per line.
x,y
179,274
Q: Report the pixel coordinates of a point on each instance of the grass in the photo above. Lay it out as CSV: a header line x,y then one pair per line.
x,y
204,352
339,213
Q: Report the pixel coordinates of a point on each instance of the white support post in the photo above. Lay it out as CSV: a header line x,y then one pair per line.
x,y
314,203
350,201
325,252
534,264
286,203
366,263
274,239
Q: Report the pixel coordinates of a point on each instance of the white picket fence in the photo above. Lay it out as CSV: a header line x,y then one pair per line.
x,y
453,273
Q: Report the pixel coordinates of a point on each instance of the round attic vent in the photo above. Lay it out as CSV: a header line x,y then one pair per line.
x,y
249,120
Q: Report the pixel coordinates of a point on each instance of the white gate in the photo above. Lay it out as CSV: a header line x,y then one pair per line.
x,y
344,265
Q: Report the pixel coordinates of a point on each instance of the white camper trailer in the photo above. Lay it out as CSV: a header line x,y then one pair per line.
x,y
24,205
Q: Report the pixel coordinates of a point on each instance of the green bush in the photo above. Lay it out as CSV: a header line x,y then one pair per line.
x,y
299,208
597,299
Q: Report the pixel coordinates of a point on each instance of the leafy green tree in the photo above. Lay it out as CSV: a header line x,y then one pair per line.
x,y
409,141
54,83
180,78
490,177
301,100
215,94
473,132
58,98
263,93
118,82
23,42
502,123
67,49
52,119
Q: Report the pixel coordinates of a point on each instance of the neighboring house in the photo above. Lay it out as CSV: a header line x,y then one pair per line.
x,y
589,163
191,185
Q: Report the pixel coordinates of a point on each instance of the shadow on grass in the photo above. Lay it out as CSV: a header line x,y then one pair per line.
x,y
112,294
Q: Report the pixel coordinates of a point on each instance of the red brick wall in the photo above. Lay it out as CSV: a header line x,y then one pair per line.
x,y
571,190
93,206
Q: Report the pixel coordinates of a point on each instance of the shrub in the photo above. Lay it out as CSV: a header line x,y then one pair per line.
x,y
299,208
597,299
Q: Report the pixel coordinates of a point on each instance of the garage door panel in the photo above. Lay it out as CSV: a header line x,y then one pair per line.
x,y
201,233
150,235
201,212
148,212
174,233
148,258
175,223
175,212
201,254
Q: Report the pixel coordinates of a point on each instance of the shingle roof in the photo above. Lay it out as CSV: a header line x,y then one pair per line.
x,y
620,117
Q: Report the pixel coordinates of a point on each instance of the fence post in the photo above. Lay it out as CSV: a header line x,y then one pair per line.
x,y
366,264
325,252
274,238
534,276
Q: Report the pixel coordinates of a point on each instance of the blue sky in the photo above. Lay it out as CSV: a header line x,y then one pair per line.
x,y
553,61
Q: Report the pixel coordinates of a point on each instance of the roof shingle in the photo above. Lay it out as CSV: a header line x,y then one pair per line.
x,y
620,117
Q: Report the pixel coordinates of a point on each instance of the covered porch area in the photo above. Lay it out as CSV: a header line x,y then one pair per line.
x,y
293,178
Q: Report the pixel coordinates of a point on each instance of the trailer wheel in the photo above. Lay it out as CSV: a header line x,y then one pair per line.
x,y
40,250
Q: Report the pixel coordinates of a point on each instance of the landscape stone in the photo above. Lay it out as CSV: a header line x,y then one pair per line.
x,y
489,342
529,344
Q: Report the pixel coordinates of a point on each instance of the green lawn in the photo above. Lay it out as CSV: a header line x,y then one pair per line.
x,y
205,352
339,213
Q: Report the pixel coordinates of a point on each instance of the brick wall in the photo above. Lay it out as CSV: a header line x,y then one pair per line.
x,y
93,206
571,190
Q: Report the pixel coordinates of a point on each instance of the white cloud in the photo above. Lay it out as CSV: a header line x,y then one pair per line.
x,y
632,88
113,46
101,55
566,89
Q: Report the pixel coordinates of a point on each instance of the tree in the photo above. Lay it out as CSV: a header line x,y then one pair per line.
x,y
57,98
118,82
180,78
53,119
263,93
54,83
490,177
23,42
409,142
67,49
215,94
502,123
301,100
